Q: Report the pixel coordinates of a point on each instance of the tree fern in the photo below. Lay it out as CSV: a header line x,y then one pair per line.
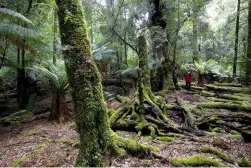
x,y
54,75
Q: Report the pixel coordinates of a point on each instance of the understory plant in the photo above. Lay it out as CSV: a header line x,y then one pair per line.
x,y
53,78
201,69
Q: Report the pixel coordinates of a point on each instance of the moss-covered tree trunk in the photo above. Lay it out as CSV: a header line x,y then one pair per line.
x,y
248,69
168,69
144,82
91,115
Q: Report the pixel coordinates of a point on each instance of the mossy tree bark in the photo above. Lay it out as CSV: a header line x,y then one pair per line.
x,y
91,115
158,20
167,68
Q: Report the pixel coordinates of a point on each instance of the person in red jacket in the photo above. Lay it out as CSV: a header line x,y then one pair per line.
x,y
188,80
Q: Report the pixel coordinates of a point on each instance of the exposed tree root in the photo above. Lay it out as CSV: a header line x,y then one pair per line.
x,y
227,122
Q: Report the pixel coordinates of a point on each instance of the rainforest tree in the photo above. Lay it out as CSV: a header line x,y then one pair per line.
x,y
90,110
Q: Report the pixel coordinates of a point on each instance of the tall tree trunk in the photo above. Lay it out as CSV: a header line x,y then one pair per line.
x,y
22,87
55,26
175,78
125,49
144,82
168,68
159,21
248,66
195,40
90,110
236,38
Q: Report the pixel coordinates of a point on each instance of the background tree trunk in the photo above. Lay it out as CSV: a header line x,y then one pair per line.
x,y
90,110
195,40
55,27
248,69
236,38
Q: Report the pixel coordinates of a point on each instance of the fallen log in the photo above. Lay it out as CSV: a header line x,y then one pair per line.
x,y
221,105
207,94
229,84
228,89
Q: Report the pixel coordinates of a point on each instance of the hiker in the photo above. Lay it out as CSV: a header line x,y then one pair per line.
x,y
188,80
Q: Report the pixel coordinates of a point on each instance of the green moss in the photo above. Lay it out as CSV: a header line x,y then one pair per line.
x,y
211,133
233,132
237,137
116,115
196,161
32,132
110,112
48,140
19,161
132,147
206,93
221,155
245,162
219,130
165,138
1,155
147,139
16,117
122,99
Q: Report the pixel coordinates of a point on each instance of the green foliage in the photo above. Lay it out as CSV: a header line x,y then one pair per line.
x,y
7,76
129,72
223,156
196,161
50,76
15,33
104,55
222,71
203,67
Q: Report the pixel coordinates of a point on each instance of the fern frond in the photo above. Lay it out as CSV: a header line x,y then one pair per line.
x,y
45,74
10,14
14,29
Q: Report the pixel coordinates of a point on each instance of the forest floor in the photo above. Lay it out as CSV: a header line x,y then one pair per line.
x,y
38,143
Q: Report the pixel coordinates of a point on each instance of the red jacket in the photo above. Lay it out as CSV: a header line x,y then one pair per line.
x,y
188,78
